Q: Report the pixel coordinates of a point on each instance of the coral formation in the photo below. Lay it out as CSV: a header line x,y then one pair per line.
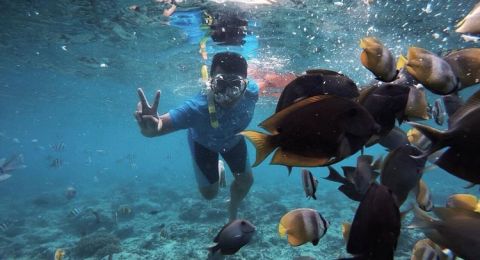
x,y
99,244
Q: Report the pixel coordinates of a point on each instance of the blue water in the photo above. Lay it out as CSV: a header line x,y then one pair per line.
x,y
69,74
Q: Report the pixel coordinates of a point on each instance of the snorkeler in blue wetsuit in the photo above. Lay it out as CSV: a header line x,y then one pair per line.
x,y
233,98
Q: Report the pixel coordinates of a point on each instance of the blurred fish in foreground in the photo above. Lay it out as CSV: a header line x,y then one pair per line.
x,y
15,162
456,229
462,138
471,22
376,226
302,226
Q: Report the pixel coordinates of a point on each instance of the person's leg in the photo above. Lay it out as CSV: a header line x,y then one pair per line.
x,y
237,160
205,166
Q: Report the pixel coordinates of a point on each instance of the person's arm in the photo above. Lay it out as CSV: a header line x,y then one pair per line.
x,y
169,11
150,123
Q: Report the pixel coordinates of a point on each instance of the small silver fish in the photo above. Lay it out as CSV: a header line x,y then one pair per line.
x,y
309,184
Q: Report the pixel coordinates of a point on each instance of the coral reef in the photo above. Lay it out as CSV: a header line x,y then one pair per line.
x,y
98,244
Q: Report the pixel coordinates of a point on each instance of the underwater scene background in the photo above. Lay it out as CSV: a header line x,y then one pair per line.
x,y
68,78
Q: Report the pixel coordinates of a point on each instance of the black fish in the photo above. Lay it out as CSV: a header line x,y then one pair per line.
x,y
232,237
376,225
317,131
462,138
390,102
347,187
401,172
394,139
452,103
317,82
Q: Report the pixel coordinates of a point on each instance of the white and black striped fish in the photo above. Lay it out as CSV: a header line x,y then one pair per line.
x,y
58,147
4,227
302,226
74,212
309,184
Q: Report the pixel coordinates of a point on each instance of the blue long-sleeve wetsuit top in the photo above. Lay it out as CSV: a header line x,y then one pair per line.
x,y
193,115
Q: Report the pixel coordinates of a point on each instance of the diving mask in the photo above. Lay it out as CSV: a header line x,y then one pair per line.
x,y
228,88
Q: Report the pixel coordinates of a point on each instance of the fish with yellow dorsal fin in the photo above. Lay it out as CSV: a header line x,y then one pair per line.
x,y
432,71
378,59
471,22
465,63
302,226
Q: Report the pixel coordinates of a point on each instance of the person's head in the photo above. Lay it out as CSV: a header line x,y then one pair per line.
x,y
228,74
229,27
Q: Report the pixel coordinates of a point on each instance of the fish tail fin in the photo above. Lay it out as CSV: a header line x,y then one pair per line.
x,y
282,230
334,176
314,197
213,248
421,219
263,144
435,136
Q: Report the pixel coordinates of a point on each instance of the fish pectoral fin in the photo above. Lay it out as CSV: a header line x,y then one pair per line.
x,y
263,144
291,159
